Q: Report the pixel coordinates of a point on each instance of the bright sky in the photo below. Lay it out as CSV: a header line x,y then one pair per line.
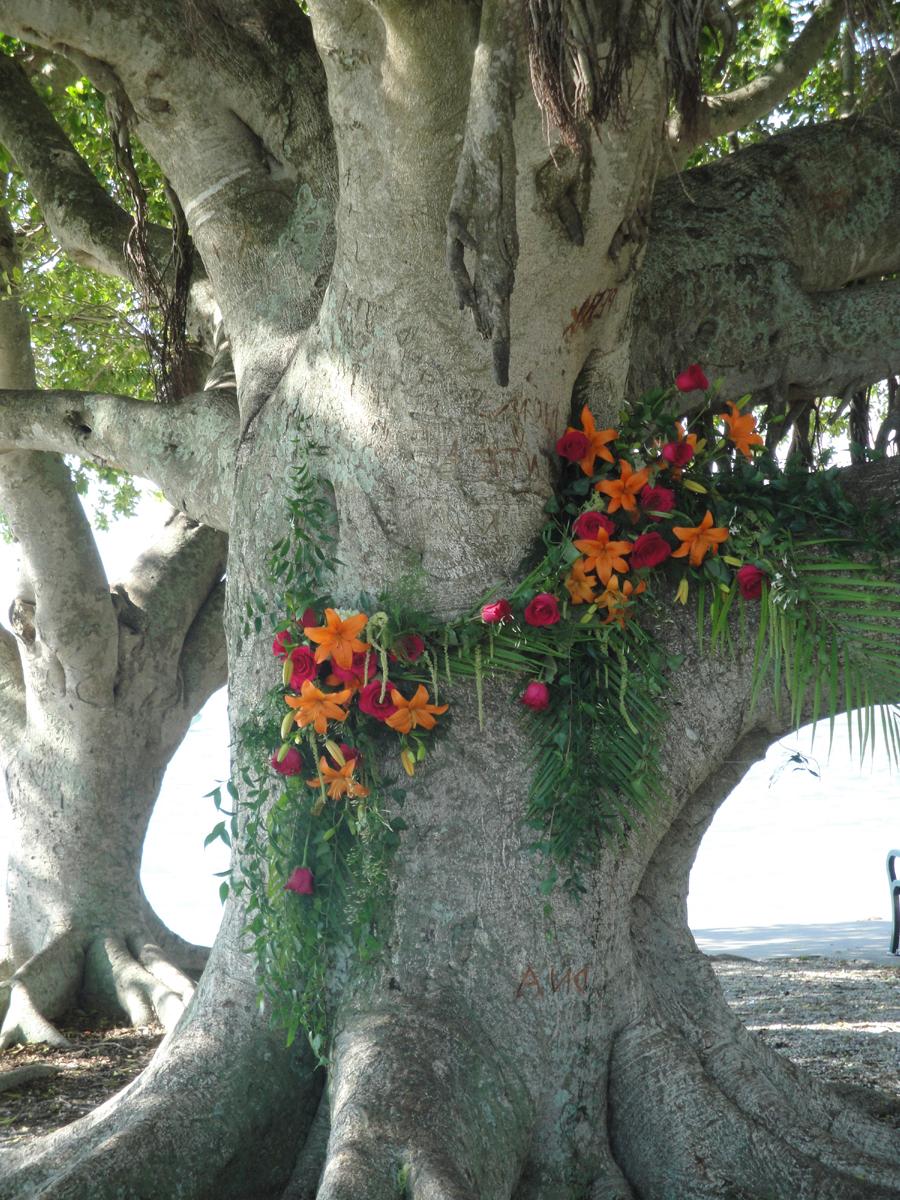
x,y
797,850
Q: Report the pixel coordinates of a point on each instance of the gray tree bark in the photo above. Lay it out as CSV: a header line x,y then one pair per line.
x,y
492,1052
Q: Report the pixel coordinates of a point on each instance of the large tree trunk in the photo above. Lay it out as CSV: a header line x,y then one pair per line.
x,y
495,1050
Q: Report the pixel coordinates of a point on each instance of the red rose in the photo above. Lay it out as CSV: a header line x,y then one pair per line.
x,y
536,696
370,701
658,499
303,666
283,641
649,550
300,881
588,523
356,672
494,613
543,610
408,648
310,617
573,445
679,454
291,764
350,753
692,379
750,581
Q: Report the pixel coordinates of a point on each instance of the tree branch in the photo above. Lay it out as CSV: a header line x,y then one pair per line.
x,y
187,449
482,217
718,115
749,259
74,616
173,578
12,694
73,613
83,218
247,201
204,662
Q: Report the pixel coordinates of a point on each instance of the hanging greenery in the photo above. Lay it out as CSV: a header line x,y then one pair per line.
x,y
659,511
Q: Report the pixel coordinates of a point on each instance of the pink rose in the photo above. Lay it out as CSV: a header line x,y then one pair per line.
x,y
291,764
536,696
303,666
649,550
573,445
692,379
750,581
300,881
679,454
497,611
370,701
408,648
657,499
543,610
283,641
588,523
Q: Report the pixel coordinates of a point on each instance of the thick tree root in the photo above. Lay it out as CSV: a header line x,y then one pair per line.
x,y
138,983
40,989
144,984
419,1110
677,1133
219,1111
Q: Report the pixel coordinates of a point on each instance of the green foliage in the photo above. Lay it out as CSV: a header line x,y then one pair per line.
x,y
828,633
764,32
595,752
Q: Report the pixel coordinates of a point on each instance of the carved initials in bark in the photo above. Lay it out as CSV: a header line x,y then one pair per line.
x,y
566,981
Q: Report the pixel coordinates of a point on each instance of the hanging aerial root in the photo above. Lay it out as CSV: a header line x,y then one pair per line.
x,y
417,1105
482,217
674,1132
579,52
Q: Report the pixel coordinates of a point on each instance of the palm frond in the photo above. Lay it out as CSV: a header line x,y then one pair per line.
x,y
828,635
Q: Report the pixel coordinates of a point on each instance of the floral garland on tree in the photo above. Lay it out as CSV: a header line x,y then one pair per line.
x,y
655,511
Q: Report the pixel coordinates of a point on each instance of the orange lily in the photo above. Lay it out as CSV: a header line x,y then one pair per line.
x,y
317,708
336,638
623,491
698,539
602,555
579,583
742,429
618,599
597,438
340,780
414,712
